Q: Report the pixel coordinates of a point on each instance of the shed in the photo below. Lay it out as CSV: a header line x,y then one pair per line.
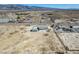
x,y
39,28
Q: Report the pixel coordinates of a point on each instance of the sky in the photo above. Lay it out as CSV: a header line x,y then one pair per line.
x,y
63,6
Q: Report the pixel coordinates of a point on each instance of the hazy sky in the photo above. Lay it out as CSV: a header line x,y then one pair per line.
x,y
65,6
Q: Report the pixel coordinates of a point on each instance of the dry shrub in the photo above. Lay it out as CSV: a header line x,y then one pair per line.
x,y
46,34
13,32
59,52
43,50
21,28
1,33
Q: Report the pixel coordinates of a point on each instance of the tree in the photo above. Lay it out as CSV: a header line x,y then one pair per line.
x,y
18,17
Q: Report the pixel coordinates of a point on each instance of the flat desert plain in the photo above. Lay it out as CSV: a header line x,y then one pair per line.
x,y
17,39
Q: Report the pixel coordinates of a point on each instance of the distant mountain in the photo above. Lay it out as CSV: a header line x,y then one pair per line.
x,y
29,8
24,7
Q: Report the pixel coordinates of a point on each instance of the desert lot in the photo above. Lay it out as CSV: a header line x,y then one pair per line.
x,y
16,39
70,41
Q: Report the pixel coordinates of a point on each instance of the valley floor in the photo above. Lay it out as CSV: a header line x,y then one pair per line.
x,y
17,39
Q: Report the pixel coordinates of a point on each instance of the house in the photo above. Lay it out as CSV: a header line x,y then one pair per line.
x,y
76,26
67,27
39,28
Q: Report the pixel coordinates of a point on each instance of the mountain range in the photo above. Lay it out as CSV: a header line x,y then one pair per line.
x,y
25,7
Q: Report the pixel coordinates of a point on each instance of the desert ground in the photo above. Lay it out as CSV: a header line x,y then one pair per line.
x,y
17,39
19,32
70,41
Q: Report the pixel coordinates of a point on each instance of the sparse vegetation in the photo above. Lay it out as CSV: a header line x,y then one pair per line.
x,y
19,38
46,34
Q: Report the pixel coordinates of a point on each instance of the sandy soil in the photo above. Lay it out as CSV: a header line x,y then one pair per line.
x,y
16,39
70,40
